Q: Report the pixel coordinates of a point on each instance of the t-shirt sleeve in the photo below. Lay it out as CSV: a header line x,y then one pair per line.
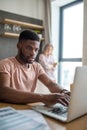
x,y
4,68
40,70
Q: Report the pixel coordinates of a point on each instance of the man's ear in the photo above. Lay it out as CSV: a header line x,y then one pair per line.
x,y
18,45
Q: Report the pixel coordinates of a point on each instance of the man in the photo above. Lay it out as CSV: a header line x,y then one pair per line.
x,y
18,75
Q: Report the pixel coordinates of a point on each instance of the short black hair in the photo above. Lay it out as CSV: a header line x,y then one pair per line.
x,y
28,35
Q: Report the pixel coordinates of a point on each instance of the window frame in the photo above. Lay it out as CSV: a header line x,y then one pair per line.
x,y
61,59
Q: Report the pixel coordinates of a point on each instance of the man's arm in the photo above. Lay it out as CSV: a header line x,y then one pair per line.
x,y
52,86
16,96
8,94
55,88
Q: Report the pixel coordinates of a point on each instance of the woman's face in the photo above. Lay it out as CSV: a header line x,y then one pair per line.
x,y
49,50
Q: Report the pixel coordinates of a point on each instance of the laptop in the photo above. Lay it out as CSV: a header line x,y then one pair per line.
x,y
78,104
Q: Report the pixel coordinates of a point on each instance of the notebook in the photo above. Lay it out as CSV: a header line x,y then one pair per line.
x,y
78,104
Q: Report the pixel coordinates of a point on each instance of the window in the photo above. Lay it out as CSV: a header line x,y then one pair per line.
x,y
71,41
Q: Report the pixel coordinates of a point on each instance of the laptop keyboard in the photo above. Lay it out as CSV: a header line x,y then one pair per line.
x,y
59,110
55,110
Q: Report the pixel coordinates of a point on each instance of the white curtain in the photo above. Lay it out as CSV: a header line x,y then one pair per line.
x,y
85,34
48,21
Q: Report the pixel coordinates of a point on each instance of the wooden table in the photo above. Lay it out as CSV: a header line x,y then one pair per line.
x,y
78,124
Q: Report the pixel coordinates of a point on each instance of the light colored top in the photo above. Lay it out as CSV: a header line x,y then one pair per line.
x,y
21,77
47,63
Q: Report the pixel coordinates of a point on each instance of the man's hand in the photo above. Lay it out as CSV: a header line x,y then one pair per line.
x,y
66,98
65,92
51,99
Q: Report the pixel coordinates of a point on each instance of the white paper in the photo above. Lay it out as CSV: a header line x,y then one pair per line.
x,y
11,119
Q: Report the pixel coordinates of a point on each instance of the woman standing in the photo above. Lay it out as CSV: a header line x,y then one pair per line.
x,y
46,59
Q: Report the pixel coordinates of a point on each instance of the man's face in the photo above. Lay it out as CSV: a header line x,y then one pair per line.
x,y
28,50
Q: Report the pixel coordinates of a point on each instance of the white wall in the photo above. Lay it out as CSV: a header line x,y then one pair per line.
x,y
55,32
55,28
31,8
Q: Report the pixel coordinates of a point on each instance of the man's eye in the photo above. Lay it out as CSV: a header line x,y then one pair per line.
x,y
36,50
28,48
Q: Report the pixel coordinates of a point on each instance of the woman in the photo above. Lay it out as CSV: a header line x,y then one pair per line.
x,y
46,59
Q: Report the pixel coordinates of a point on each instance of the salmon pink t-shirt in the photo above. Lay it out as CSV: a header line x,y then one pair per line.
x,y
21,77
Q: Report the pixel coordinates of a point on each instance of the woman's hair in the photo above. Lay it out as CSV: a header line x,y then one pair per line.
x,y
48,45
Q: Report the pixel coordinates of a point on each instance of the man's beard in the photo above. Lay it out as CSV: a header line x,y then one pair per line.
x,y
24,58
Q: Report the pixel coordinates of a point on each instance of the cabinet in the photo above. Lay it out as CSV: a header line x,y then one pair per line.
x,y
11,28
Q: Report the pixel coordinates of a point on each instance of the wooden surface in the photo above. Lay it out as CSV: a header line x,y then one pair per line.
x,y
78,124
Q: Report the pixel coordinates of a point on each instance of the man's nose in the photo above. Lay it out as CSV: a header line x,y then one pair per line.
x,y
33,52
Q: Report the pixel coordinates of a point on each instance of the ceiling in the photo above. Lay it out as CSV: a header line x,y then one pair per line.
x,y
62,2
